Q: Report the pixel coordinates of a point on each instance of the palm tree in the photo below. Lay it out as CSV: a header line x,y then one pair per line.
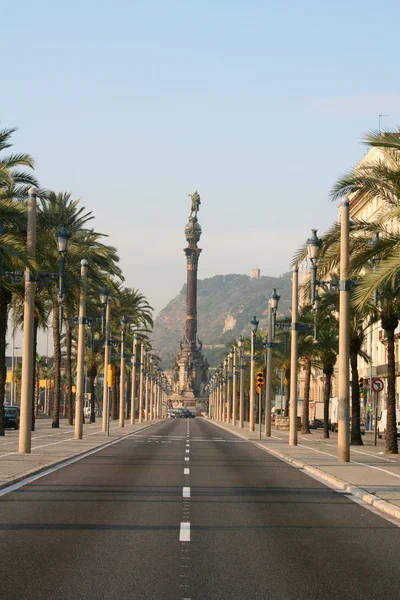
x,y
378,179
14,184
55,210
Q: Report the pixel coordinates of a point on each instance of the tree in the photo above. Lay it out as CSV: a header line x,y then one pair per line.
x,y
378,179
57,210
14,184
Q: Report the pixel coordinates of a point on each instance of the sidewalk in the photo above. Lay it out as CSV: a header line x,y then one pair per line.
x,y
371,475
54,446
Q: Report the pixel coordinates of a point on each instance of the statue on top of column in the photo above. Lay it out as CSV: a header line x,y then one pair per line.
x,y
195,203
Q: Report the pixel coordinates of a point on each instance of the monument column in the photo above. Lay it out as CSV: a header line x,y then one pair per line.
x,y
192,260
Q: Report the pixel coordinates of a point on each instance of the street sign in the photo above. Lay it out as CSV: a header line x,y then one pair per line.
x,y
377,385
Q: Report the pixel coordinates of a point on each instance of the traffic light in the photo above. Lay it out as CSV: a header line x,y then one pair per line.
x,y
110,376
361,385
259,381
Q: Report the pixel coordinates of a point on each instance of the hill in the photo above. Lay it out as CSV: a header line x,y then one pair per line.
x,y
226,304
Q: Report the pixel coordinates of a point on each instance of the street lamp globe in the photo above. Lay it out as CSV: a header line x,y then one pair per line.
x,y
124,323
274,299
104,294
63,236
254,325
313,244
240,341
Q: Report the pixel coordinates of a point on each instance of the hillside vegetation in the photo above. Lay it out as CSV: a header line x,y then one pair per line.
x,y
226,305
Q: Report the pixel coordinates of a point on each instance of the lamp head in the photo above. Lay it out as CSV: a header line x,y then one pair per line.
x,y
104,294
63,236
254,325
313,244
124,323
274,299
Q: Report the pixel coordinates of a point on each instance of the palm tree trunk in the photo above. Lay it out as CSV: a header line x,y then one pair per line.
x,y
92,400
37,391
305,421
287,403
5,299
356,439
57,367
327,393
389,325
68,367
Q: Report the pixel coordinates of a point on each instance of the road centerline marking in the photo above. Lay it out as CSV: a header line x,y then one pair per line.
x,y
184,533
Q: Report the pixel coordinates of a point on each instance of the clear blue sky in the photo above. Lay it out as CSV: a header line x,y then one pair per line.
x,y
259,105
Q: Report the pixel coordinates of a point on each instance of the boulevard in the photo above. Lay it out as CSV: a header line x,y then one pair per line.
x,y
187,510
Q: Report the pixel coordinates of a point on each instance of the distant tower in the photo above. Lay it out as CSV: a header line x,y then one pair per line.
x,y
255,273
191,365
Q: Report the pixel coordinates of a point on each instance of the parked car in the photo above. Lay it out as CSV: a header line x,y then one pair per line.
x,y
187,414
11,417
176,413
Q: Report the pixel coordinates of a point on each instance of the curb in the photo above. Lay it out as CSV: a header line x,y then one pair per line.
x,y
69,458
381,505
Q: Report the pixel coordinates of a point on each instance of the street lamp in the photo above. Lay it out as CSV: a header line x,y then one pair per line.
x,y
107,346
254,326
124,325
104,294
63,236
241,382
134,365
80,369
294,353
269,344
234,390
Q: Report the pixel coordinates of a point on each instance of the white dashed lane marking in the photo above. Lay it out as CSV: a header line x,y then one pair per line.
x,y
184,534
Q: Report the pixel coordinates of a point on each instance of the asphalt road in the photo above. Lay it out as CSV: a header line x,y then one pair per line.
x,y
129,523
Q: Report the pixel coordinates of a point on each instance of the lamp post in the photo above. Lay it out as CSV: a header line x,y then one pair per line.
x,y
374,405
254,327
124,325
80,369
147,375
344,337
344,324
134,365
63,236
234,391
294,358
141,381
241,382
106,304
229,362
24,446
225,404
218,393
272,309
